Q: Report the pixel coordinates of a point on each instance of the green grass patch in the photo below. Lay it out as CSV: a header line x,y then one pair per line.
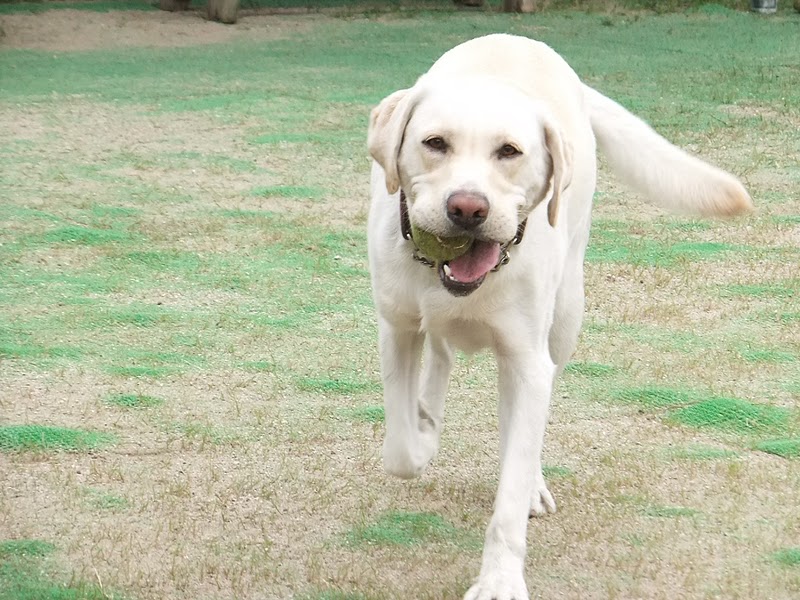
x,y
292,138
251,217
684,226
662,339
287,322
556,472
409,529
669,512
159,261
787,448
31,351
366,414
12,6
109,502
26,583
102,501
789,557
23,576
144,363
136,315
768,356
25,548
287,191
732,415
113,214
342,387
84,236
655,397
286,258
786,219
258,365
22,344
133,401
780,316
334,595
21,438
616,242
148,372
775,289
589,369
70,287
701,453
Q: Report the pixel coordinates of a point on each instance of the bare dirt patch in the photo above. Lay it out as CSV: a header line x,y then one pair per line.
x,y
74,30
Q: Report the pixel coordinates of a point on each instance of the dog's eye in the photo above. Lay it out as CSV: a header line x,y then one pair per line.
x,y
508,151
436,143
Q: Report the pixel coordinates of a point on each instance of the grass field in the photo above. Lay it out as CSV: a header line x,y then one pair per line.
x,y
190,402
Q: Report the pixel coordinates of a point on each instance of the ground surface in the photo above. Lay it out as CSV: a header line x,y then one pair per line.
x,y
189,387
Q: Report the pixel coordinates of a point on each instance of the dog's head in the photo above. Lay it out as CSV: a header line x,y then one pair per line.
x,y
473,155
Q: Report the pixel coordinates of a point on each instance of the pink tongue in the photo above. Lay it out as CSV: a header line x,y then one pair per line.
x,y
476,263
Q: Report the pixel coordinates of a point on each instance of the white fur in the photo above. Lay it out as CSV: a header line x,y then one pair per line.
x,y
480,95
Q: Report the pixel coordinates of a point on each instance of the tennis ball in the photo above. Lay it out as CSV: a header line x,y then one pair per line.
x,y
440,249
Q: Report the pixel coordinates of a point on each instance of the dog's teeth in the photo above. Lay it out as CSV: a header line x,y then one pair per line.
x,y
448,273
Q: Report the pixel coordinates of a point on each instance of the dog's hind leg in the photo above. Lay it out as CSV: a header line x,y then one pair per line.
x,y
562,340
568,313
412,428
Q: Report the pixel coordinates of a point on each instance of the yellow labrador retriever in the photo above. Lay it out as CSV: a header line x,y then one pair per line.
x,y
497,142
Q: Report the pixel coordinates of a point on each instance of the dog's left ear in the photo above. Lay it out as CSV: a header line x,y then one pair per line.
x,y
387,123
561,157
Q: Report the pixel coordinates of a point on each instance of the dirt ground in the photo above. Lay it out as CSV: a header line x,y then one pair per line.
x,y
75,30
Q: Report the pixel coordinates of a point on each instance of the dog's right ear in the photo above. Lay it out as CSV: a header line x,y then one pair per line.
x,y
561,156
387,123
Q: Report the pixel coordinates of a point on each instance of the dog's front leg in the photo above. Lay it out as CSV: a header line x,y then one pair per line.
x,y
525,385
412,427
437,366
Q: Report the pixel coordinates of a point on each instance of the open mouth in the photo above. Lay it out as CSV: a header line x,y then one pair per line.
x,y
463,275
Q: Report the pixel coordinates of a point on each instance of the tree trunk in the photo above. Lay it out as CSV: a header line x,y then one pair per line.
x,y
521,6
173,5
224,11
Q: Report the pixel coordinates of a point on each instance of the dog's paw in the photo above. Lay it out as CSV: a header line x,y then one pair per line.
x,y
542,502
500,586
408,460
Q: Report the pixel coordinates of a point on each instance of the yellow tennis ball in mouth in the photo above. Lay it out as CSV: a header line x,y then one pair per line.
x,y
440,249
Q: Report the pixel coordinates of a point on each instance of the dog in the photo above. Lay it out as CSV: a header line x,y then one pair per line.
x,y
497,141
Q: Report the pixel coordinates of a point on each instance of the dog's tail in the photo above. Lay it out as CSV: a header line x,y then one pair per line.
x,y
665,174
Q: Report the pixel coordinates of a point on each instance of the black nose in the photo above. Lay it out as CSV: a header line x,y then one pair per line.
x,y
467,209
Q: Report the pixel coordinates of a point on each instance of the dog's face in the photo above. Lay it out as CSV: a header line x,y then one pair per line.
x,y
473,157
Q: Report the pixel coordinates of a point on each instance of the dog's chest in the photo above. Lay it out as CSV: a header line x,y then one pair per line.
x,y
466,335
